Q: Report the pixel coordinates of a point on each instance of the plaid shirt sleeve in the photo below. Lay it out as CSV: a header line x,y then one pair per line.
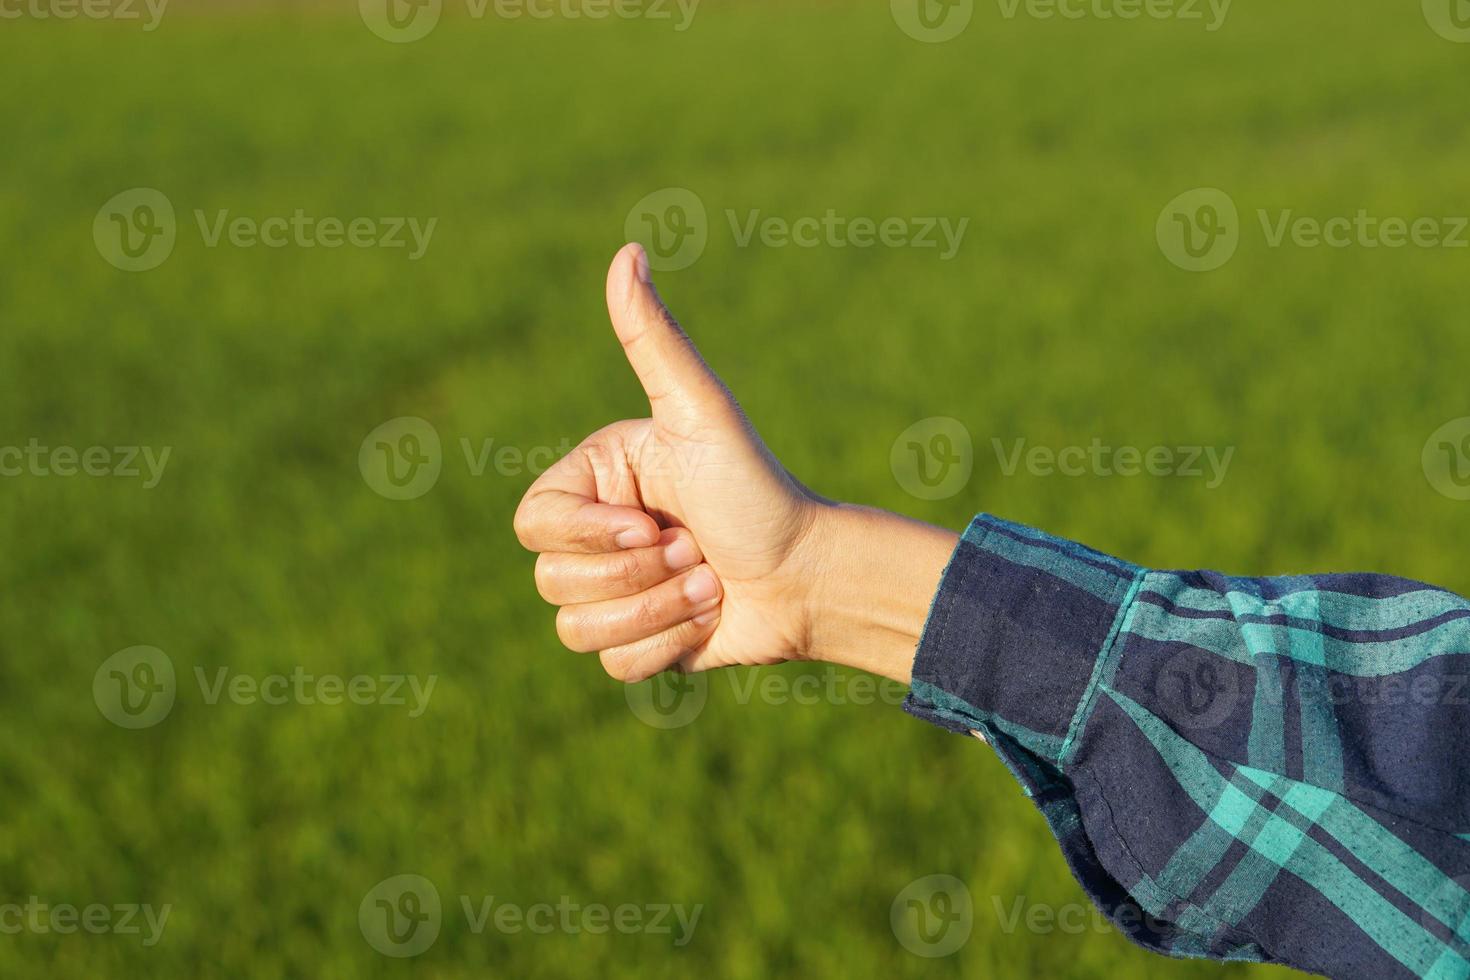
x,y
1265,769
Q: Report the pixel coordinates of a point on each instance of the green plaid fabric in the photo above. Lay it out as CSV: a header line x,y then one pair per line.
x,y
1236,768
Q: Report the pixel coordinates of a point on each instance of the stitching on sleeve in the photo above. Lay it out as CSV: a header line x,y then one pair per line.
x,y
1105,655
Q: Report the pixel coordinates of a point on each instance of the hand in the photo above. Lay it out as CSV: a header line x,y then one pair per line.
x,y
679,541
727,593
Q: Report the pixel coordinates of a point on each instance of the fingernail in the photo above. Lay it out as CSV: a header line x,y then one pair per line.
x,y
705,618
681,554
634,537
640,264
700,586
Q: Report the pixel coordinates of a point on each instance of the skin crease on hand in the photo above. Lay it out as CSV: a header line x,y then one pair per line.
x,y
679,542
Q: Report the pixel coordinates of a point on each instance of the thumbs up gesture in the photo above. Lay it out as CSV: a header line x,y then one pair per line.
x,y
678,541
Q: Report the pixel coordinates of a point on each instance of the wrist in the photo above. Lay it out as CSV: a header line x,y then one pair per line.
x,y
872,578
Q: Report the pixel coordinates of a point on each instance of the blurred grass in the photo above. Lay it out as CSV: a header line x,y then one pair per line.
x,y
528,778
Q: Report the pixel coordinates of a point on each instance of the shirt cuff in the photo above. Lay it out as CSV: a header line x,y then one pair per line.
x,y
1019,634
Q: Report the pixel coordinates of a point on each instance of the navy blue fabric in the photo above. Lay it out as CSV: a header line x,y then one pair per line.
x,y
1268,769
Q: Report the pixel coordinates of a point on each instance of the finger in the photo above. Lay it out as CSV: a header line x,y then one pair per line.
x,y
673,375
561,512
634,662
613,622
564,579
702,658
558,521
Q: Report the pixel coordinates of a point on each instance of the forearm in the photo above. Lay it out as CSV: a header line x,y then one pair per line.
x,y
870,594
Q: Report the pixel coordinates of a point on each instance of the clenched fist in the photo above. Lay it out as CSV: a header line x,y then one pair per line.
x,y
678,541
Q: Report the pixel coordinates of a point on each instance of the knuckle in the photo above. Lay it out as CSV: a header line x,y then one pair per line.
x,y
571,629
649,613
521,523
630,664
626,566
546,577
616,663
591,536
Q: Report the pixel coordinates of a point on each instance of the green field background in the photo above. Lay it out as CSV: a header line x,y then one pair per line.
x,y
528,778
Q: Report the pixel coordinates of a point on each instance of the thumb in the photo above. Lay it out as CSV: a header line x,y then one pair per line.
x,y
678,382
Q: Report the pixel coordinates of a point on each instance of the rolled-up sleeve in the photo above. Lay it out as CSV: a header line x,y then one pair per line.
x,y
1267,769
